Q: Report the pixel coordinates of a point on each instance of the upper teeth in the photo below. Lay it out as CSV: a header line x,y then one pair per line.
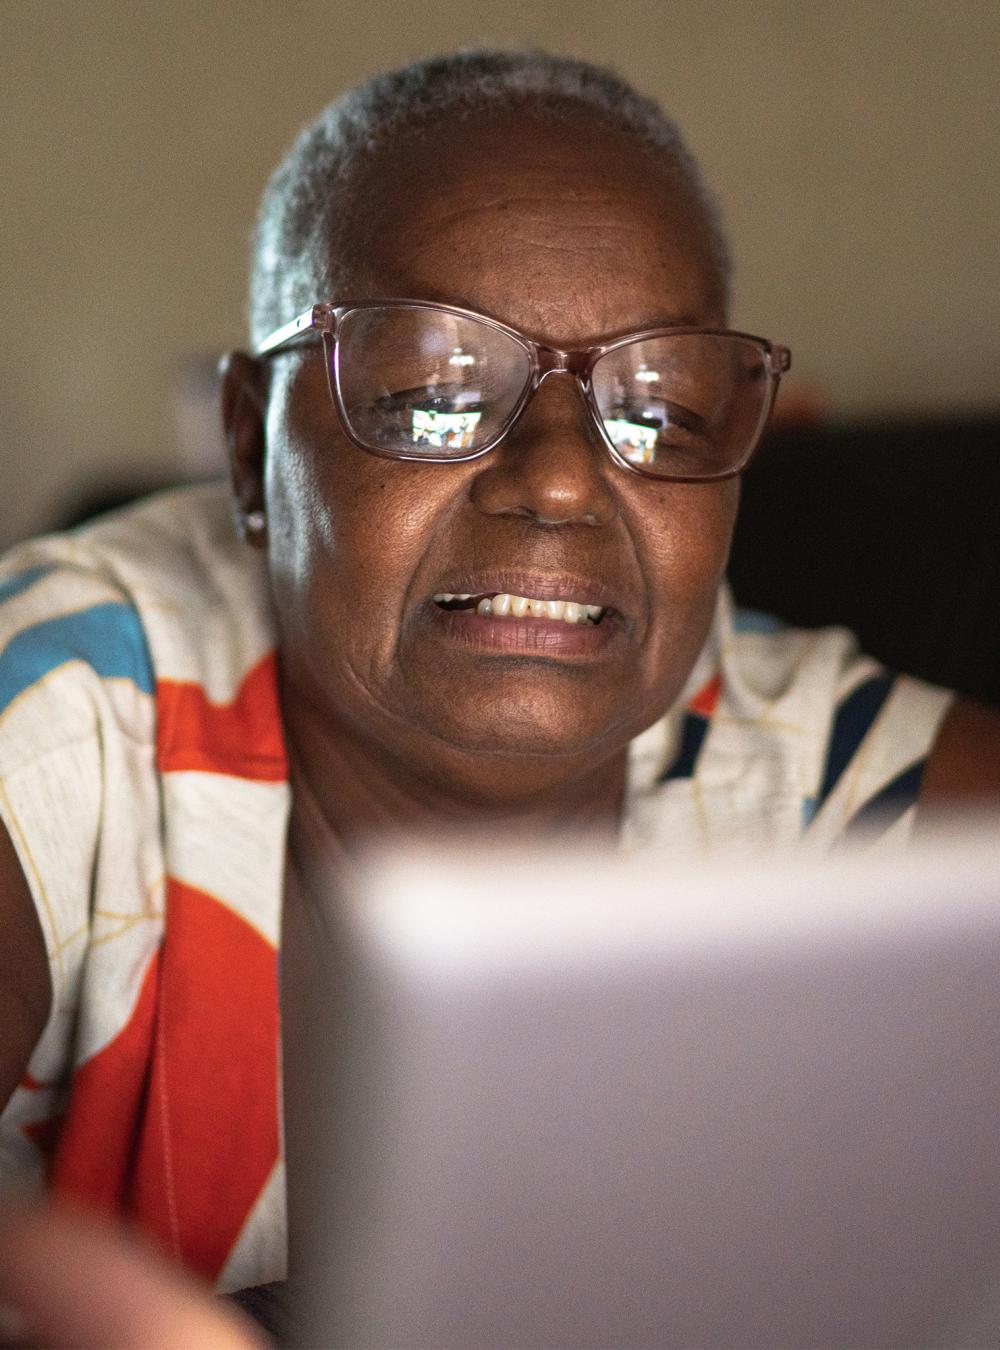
x,y
522,606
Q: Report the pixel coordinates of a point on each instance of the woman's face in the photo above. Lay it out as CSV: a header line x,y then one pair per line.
x,y
570,237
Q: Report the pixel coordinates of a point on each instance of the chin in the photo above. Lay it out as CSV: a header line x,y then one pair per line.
x,y
547,744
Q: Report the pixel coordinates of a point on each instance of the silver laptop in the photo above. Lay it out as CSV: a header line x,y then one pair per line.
x,y
566,1100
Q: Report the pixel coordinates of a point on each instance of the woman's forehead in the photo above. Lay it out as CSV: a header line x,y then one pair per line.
x,y
530,220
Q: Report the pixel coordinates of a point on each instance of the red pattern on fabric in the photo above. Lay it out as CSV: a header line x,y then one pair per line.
x,y
96,1148
210,1132
32,1084
706,700
242,738
175,1122
45,1135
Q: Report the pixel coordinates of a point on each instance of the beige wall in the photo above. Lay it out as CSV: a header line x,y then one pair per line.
x,y
854,144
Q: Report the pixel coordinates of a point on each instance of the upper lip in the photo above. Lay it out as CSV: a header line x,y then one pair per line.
x,y
532,585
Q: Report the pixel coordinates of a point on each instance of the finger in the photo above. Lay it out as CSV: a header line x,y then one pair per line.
x,y
67,1279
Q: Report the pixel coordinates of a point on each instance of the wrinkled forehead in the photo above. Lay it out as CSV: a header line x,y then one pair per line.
x,y
518,215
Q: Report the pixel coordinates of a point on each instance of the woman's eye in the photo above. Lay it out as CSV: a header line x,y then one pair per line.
x,y
408,400
438,419
665,419
442,398
644,431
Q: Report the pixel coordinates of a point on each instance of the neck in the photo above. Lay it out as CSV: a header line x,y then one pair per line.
x,y
356,790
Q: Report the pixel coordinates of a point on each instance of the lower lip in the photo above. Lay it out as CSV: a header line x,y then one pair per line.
x,y
526,637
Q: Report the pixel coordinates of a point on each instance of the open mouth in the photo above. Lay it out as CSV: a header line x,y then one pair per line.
x,y
502,605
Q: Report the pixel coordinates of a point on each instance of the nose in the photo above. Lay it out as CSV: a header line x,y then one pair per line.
x,y
551,466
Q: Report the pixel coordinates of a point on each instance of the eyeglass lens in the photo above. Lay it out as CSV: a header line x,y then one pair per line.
x,y
420,382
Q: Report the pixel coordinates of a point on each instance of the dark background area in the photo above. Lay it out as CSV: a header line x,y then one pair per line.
x,y
889,528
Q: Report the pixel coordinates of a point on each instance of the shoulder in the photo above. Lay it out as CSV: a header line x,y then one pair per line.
x,y
963,766
163,586
76,712
71,644
202,595
79,788
854,738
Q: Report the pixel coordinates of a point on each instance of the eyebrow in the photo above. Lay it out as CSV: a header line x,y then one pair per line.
x,y
657,320
647,321
653,320
666,321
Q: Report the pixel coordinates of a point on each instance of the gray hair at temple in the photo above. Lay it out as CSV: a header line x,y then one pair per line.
x,y
304,209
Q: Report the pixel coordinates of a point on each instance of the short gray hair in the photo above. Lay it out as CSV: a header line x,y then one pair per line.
x,y
303,212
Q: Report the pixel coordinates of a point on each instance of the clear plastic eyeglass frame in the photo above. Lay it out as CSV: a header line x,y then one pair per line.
x,y
324,320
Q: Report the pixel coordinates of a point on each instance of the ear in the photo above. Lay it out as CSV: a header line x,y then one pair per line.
x,y
245,385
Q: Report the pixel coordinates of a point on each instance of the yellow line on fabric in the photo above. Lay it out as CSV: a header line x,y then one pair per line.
x,y
111,680
36,684
701,813
70,938
150,910
39,886
127,923
159,606
114,917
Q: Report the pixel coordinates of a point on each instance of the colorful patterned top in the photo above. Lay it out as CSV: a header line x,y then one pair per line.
x,y
143,782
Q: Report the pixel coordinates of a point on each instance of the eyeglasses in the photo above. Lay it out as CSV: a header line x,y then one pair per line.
x,y
416,380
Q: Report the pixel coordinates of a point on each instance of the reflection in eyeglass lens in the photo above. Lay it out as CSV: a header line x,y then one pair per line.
x,y
636,443
685,404
424,382
444,430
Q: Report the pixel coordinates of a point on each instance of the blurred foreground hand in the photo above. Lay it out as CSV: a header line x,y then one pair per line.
x,y
68,1280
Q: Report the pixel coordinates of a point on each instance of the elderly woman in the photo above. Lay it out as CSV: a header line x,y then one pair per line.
x,y
485,467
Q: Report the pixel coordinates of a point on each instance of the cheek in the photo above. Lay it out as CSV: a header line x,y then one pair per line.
x,y
686,530
686,537
301,531
347,532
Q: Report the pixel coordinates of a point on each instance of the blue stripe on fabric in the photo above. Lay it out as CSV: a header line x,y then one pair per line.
x,y
108,638
20,581
692,736
888,804
756,621
851,724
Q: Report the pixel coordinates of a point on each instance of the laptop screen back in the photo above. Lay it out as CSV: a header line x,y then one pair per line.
x,y
566,1100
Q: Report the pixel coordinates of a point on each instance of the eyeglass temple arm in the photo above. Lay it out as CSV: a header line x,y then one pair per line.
x,y
316,319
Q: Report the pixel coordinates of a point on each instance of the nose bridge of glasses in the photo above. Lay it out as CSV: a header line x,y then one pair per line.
x,y
551,361
559,477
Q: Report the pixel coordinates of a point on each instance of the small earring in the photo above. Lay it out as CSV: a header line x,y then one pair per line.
x,y
254,522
